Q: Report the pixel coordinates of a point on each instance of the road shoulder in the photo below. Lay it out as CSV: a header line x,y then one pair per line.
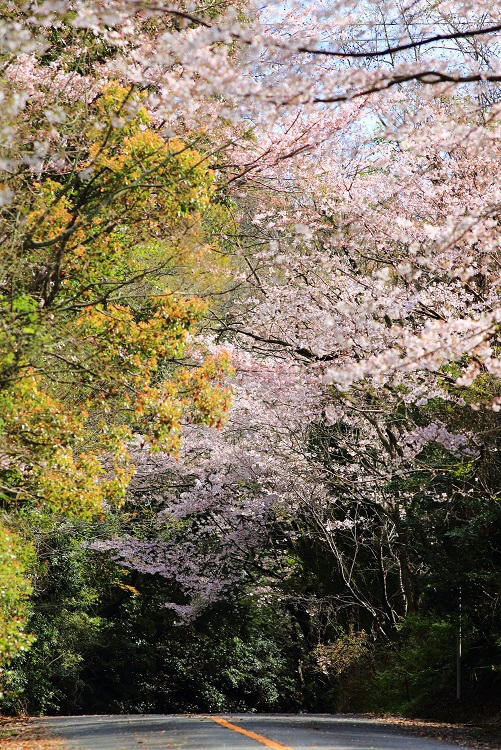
x,y
26,734
480,736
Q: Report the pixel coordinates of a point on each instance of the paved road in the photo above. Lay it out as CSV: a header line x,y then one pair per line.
x,y
233,732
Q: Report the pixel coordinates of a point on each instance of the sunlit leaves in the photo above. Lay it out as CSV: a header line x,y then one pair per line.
x,y
92,339
15,589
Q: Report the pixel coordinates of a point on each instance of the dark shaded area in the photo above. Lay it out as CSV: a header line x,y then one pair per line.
x,y
107,644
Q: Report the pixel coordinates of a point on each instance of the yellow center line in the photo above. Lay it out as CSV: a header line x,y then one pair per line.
x,y
252,735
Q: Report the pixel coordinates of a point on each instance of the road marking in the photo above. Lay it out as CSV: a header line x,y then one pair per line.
x,y
252,735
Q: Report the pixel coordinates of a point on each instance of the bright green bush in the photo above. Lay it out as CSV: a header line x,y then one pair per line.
x,y
15,589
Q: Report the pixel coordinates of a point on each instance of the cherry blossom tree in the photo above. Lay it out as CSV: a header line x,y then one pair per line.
x,y
335,167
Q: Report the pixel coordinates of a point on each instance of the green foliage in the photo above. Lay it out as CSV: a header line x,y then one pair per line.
x,y
419,664
105,643
15,589
92,339
91,336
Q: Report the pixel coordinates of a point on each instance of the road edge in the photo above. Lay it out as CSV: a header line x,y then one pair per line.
x,y
481,736
26,733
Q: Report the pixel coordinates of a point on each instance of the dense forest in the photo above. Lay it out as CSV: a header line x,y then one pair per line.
x,y
250,373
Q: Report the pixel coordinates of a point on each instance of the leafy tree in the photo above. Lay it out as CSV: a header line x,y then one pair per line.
x,y
15,589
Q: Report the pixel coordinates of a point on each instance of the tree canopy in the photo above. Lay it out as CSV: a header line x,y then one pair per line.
x,y
250,380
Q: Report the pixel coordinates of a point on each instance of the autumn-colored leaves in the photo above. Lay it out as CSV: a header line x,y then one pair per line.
x,y
113,335
94,343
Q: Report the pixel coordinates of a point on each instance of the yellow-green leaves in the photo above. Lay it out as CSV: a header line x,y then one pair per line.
x,y
92,340
15,589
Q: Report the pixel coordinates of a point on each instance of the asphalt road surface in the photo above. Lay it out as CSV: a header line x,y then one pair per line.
x,y
233,732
